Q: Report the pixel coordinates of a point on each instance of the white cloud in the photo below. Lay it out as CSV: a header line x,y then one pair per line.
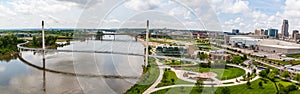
x,y
40,6
181,12
84,3
143,4
234,21
2,68
292,13
5,11
291,9
237,6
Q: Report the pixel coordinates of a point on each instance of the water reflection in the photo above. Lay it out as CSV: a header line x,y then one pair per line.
x,y
18,77
8,57
44,75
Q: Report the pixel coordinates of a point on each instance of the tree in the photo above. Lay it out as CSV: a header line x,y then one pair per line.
x,y
268,70
263,73
248,84
276,71
285,74
248,74
297,77
225,90
203,56
236,59
254,71
271,76
34,41
244,57
199,84
260,84
228,61
281,89
291,88
99,35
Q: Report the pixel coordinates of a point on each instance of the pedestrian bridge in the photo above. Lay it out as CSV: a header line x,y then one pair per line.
x,y
20,47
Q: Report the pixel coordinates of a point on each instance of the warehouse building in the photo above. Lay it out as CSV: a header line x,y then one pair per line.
x,y
267,45
277,46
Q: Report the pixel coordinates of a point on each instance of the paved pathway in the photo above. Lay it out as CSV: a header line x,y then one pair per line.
x,y
192,85
175,58
161,72
179,74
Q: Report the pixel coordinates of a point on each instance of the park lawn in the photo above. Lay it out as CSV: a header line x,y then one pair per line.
x,y
168,75
223,74
160,41
268,88
176,90
147,79
175,63
293,55
287,62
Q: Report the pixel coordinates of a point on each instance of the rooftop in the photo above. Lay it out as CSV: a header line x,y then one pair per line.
x,y
281,46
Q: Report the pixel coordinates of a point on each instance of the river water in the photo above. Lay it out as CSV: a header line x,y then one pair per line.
x,y
19,77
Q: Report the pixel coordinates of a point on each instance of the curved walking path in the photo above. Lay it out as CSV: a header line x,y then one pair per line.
x,y
180,76
174,58
192,85
161,72
74,73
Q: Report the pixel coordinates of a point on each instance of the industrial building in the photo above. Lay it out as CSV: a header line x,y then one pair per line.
x,y
171,50
244,42
227,37
267,45
277,46
219,55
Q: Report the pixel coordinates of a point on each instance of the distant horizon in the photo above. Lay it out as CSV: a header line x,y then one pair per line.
x,y
101,28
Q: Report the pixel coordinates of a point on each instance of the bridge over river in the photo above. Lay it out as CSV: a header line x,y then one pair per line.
x,y
20,47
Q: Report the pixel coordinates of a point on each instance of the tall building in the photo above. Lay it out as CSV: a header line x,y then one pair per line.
x,y
285,29
294,33
259,32
266,32
272,33
235,31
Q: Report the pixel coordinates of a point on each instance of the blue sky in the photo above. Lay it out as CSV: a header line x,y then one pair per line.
x,y
246,15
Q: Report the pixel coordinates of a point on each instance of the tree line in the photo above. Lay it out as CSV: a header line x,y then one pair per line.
x,y
9,44
37,41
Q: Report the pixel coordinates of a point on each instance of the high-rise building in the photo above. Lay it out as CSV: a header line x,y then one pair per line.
x,y
259,32
235,31
285,29
294,33
272,33
266,32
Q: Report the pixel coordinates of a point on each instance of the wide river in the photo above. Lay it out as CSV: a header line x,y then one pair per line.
x,y
19,77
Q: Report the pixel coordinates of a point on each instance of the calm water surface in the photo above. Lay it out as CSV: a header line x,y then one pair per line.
x,y
19,77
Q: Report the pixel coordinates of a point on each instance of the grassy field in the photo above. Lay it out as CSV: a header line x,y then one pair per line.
x,y
223,74
147,79
176,62
293,55
167,79
160,41
268,88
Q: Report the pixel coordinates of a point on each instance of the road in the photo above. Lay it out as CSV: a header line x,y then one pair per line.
x,y
262,62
